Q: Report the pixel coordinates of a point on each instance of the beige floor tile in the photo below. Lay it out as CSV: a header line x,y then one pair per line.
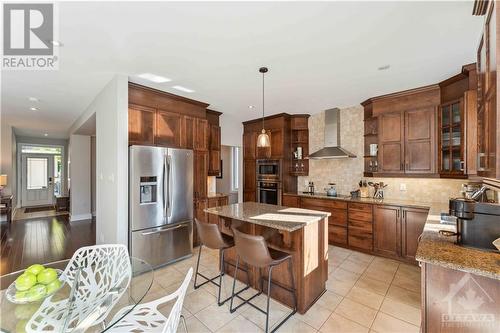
x,y
386,262
388,324
339,324
315,316
401,311
406,281
379,274
344,275
330,300
352,266
215,317
240,324
340,281
193,326
294,325
167,277
357,312
167,307
404,296
277,313
410,269
360,257
375,286
365,297
198,300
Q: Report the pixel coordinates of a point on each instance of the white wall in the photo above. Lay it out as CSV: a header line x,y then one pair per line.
x,y
92,175
231,130
79,173
111,109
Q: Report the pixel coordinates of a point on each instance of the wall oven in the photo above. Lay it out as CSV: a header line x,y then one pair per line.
x,y
269,192
269,170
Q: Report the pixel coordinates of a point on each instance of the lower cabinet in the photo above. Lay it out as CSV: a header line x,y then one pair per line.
x,y
397,230
412,226
200,215
386,229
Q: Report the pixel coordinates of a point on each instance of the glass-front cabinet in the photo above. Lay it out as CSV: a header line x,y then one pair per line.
x,y
451,139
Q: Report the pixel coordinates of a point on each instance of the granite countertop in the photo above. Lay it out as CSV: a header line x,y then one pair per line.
x,y
385,201
277,217
434,248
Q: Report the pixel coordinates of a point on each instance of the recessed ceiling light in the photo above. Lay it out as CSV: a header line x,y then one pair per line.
x,y
33,99
56,43
181,88
383,68
251,106
45,134
33,108
153,78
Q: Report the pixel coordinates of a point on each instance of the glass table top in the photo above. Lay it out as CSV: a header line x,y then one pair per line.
x,y
108,306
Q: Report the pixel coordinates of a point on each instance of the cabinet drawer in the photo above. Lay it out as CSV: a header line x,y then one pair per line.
x,y
360,238
361,207
338,217
325,203
360,215
361,225
337,234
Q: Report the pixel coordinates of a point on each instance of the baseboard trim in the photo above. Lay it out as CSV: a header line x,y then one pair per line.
x,y
79,217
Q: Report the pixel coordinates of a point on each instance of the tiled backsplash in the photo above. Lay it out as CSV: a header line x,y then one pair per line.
x,y
347,173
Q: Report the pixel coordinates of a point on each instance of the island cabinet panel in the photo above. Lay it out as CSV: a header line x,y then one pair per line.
x,y
412,226
168,129
309,249
386,230
141,125
458,302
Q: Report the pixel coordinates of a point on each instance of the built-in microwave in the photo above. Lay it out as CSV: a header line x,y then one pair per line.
x,y
268,169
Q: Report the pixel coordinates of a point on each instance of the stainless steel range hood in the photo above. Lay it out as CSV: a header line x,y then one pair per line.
x,y
332,147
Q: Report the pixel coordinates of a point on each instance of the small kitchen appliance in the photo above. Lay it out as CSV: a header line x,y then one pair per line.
x,y
331,191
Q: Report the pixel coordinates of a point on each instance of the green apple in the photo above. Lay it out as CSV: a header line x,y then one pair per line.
x,y
35,269
53,286
46,276
20,295
21,326
36,292
25,281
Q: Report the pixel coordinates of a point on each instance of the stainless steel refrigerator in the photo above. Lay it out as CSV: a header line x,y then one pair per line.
x,y
161,204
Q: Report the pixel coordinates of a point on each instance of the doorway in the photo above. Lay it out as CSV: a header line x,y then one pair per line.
x,y
41,174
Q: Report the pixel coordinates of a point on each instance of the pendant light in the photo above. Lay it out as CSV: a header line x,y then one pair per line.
x,y
263,139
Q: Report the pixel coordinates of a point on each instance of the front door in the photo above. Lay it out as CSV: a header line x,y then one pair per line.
x,y
37,180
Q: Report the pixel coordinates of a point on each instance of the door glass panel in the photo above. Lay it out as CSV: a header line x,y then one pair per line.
x,y
445,137
58,175
456,160
446,160
445,116
36,173
455,136
455,113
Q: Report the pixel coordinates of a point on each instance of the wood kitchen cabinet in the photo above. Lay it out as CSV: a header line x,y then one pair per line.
x,y
412,226
249,180
250,145
168,129
407,142
214,137
214,162
188,132
141,125
360,226
391,142
201,134
200,174
386,230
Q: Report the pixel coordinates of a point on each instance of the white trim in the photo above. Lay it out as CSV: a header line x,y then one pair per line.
x,y
79,217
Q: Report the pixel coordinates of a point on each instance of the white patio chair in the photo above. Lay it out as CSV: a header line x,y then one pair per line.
x,y
102,274
146,317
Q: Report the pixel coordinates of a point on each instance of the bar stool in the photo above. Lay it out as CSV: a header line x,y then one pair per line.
x,y
211,237
253,250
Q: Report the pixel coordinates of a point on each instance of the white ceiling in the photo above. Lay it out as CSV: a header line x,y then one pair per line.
x,y
320,55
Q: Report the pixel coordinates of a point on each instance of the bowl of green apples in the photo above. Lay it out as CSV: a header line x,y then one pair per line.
x,y
36,283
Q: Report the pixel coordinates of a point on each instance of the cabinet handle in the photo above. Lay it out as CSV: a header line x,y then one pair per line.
x,y
397,214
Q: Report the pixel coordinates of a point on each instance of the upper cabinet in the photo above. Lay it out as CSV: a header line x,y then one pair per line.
x,y
141,125
168,129
429,131
488,119
214,143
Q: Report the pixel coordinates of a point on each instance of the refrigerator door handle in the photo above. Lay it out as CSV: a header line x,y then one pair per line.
x,y
164,230
169,190
163,186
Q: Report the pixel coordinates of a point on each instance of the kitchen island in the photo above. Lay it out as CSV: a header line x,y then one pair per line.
x,y
301,232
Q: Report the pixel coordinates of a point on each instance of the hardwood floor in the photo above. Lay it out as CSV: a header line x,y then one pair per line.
x,y
42,240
